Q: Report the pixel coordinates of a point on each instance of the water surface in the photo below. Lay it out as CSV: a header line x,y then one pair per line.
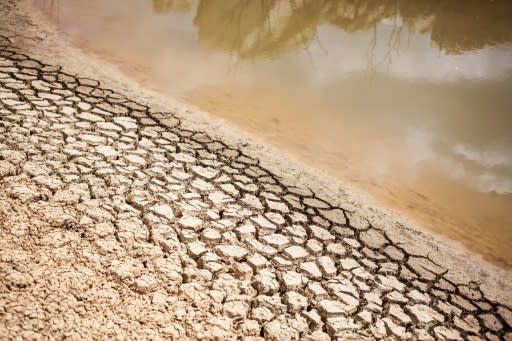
x,y
409,100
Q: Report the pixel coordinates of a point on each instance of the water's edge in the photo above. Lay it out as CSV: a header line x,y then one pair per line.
x,y
434,190
44,42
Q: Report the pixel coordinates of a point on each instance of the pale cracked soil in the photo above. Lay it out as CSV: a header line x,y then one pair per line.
x,y
116,222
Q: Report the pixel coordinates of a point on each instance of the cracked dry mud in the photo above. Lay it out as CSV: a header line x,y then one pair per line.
x,y
117,222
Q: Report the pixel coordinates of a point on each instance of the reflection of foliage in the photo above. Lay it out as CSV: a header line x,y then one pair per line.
x,y
253,28
173,5
356,15
256,28
482,23
455,25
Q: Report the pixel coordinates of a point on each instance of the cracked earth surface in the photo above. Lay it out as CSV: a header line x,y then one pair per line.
x,y
118,222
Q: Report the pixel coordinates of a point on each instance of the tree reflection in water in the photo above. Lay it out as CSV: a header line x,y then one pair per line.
x,y
269,28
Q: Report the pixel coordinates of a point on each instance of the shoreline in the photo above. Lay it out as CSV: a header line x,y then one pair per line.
x,y
459,265
422,194
277,160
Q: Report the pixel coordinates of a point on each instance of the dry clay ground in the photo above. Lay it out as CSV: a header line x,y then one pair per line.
x,y
116,222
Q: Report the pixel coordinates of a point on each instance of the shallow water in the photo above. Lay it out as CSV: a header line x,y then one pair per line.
x,y
408,100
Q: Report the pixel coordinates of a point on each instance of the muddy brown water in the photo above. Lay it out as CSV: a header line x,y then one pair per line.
x,y
410,101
